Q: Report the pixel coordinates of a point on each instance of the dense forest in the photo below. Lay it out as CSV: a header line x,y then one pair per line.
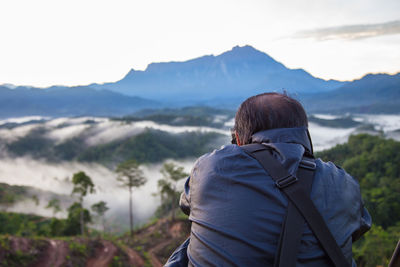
x,y
374,162
148,146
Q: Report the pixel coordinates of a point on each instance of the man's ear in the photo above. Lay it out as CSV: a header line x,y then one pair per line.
x,y
237,139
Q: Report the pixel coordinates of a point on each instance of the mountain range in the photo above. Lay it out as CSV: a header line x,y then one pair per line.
x,y
238,73
374,93
224,81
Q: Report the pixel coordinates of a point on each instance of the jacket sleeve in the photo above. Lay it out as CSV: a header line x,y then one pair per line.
x,y
184,201
365,225
179,257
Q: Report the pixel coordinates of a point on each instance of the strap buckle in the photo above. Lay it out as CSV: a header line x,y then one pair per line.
x,y
286,181
307,164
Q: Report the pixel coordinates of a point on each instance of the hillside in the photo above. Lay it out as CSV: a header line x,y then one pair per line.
x,y
151,246
373,93
110,141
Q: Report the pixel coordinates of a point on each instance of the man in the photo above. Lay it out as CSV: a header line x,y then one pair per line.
x,y
235,207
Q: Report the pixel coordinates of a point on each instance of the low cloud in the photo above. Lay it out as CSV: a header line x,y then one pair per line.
x,y
352,32
93,130
55,181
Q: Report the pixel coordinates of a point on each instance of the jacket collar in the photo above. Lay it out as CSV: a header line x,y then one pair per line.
x,y
298,135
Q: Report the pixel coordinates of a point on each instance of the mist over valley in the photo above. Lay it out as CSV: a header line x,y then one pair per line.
x,y
43,153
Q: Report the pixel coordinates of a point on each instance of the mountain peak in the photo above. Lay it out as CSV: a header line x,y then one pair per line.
x,y
243,70
247,48
130,74
246,52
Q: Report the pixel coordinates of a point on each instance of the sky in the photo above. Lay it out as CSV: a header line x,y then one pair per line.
x,y
70,42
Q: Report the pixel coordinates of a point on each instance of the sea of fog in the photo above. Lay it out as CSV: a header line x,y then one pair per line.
x,y
55,177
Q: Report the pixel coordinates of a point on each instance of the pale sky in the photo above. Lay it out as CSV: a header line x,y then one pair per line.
x,y
70,42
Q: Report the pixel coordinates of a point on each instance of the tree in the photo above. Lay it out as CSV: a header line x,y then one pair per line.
x,y
168,186
77,216
82,186
55,205
100,208
129,176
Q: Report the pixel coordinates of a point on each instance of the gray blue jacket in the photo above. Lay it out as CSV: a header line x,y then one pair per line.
x,y
237,211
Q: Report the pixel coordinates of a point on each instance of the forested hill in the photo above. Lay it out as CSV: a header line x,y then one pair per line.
x,y
374,162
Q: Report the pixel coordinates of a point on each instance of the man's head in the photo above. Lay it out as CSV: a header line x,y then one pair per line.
x,y
267,111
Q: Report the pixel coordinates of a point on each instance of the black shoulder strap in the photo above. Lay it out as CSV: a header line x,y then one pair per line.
x,y
295,191
293,226
395,261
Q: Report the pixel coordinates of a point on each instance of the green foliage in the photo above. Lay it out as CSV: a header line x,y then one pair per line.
x,y
152,146
377,246
147,259
35,142
130,175
100,209
167,187
34,225
55,205
57,227
9,194
176,120
149,146
82,184
78,249
116,262
374,161
73,222
24,224
12,257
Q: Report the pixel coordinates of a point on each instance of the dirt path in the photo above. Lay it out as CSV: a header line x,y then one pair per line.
x,y
134,258
174,231
152,253
103,256
20,244
55,254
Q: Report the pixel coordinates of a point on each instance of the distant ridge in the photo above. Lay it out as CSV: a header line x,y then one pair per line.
x,y
373,93
221,81
67,101
238,73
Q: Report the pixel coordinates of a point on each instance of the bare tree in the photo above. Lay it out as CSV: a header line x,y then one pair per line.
x,y
129,176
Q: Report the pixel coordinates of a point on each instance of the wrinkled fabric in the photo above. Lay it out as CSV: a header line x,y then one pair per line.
x,y
237,211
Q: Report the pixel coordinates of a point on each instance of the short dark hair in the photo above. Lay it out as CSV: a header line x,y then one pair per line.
x,y
268,111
